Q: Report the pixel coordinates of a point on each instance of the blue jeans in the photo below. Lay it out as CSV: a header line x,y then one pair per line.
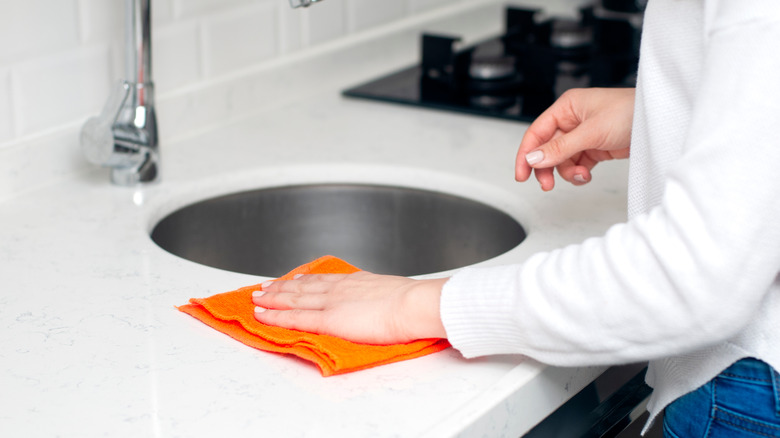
x,y
741,401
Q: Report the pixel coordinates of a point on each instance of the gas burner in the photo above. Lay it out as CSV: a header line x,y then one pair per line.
x,y
494,74
493,68
571,35
519,74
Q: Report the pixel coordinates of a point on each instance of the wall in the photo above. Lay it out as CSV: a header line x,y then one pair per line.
x,y
58,58
213,61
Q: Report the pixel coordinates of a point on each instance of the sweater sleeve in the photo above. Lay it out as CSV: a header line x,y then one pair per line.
x,y
687,274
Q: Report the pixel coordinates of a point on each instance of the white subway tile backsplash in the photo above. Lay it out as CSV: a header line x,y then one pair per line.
x,y
59,59
51,43
425,5
176,57
369,13
60,88
6,114
239,38
35,27
189,8
326,21
291,23
162,12
101,21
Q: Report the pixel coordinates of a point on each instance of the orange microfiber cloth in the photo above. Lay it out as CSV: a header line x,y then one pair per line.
x,y
232,313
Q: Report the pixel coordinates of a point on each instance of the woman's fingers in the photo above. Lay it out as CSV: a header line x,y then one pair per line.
x,y
580,129
546,178
577,169
531,140
551,124
310,283
289,300
563,147
574,173
306,292
297,319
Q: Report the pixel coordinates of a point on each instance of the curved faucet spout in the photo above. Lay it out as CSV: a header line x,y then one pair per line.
x,y
124,136
304,3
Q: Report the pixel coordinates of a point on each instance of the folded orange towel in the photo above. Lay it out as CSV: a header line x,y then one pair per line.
x,y
232,313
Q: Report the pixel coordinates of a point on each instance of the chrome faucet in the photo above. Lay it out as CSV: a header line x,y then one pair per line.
x,y
304,3
124,135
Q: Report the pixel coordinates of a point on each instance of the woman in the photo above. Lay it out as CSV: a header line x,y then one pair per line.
x,y
689,283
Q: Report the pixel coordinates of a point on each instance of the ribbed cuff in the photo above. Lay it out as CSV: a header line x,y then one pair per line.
x,y
477,309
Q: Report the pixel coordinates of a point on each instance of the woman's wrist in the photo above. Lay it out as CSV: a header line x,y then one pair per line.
x,y
422,307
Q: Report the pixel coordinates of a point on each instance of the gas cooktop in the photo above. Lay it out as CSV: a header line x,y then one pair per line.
x,y
517,75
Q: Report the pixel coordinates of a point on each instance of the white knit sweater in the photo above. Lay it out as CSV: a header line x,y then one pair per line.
x,y
691,281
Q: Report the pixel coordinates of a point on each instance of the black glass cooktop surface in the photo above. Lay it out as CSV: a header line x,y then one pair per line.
x,y
516,75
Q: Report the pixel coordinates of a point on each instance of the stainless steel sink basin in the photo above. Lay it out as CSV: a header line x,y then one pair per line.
x,y
382,229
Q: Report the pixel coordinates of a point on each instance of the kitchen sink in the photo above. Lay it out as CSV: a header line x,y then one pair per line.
x,y
383,229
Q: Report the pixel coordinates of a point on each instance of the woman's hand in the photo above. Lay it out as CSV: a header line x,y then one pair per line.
x,y
582,128
360,307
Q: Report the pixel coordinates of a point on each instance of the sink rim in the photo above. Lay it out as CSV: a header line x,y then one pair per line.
x,y
170,197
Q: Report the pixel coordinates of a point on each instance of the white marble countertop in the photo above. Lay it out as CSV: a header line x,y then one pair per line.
x,y
91,343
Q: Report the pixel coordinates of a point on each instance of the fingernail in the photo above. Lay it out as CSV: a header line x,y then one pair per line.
x,y
534,157
259,309
579,178
297,276
266,284
258,294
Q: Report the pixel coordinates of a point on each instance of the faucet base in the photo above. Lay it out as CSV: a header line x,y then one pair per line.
x,y
146,173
